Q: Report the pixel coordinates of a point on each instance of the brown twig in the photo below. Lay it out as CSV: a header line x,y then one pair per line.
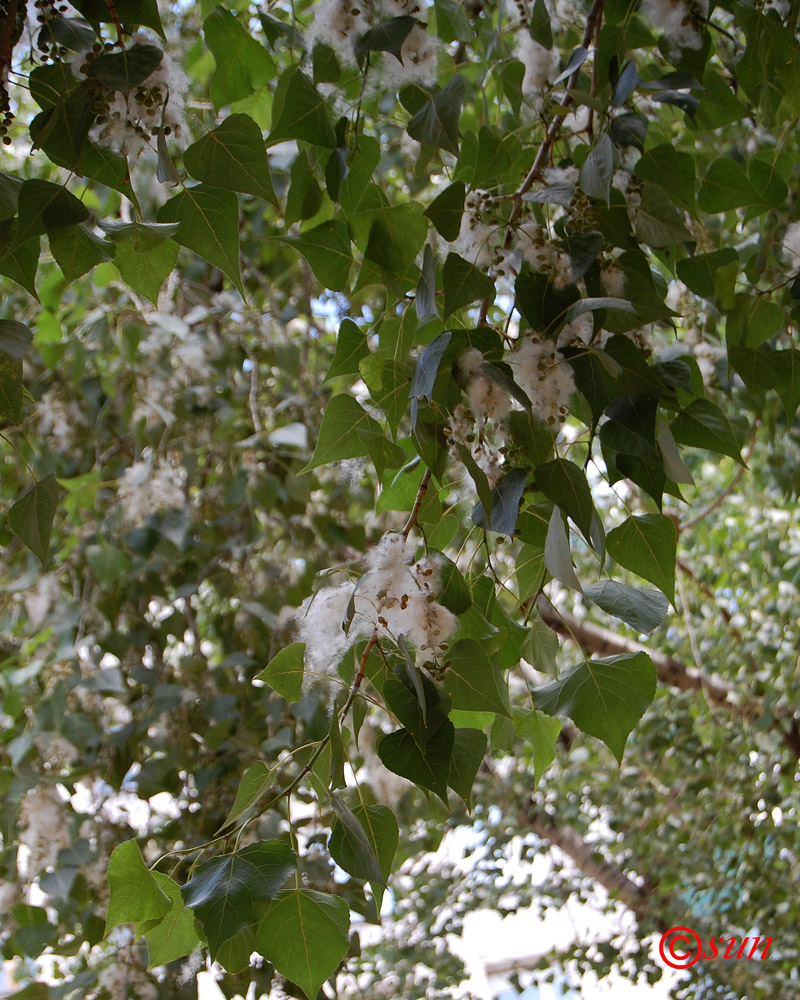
x,y
412,517
7,40
112,10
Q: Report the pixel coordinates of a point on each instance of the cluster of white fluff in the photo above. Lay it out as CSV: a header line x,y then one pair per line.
x,y
42,599
612,279
486,398
57,751
338,24
541,64
58,419
478,229
461,432
396,596
144,491
45,828
122,980
681,22
127,123
545,377
542,254
791,246
417,63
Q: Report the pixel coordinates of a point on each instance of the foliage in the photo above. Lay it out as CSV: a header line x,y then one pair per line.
x,y
364,347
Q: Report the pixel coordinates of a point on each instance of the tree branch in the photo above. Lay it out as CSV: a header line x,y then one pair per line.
x,y
412,517
674,673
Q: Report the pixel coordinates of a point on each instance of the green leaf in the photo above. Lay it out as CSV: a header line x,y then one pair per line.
x,y
671,170
131,13
386,37
541,731
541,647
15,338
425,297
77,250
725,186
231,891
209,220
447,209
604,698
31,517
143,235
299,112
597,169
699,273
379,826
453,591
643,610
563,482
125,70
175,935
10,388
342,434
233,157
469,749
305,935
396,236
146,272
463,283
284,672
21,262
472,681
452,22
436,122
557,554
255,782
388,383
108,564
134,892
505,501
351,348
544,306
539,26
243,64
657,221
426,370
492,160
350,847
43,207
428,768
703,425
646,545
327,250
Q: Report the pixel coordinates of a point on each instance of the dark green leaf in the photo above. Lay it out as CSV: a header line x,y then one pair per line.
x,y
563,482
543,305
539,25
209,221
231,891
430,768
436,122
469,749
472,681
576,60
598,168
143,235
725,186
77,250
672,170
70,32
605,698
657,221
327,249
699,273
626,84
175,935
15,338
125,70
646,545
31,517
43,207
341,436
557,555
426,370
704,425
463,283
643,610
447,209
350,846
396,235
351,348
386,37
305,935
10,388
233,157
299,112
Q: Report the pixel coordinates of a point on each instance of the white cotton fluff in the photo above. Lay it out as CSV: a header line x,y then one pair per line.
x,y
395,597
122,980
541,64
58,419
417,64
144,491
478,230
613,281
128,123
337,24
486,397
545,377
790,249
681,25
45,828
532,241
